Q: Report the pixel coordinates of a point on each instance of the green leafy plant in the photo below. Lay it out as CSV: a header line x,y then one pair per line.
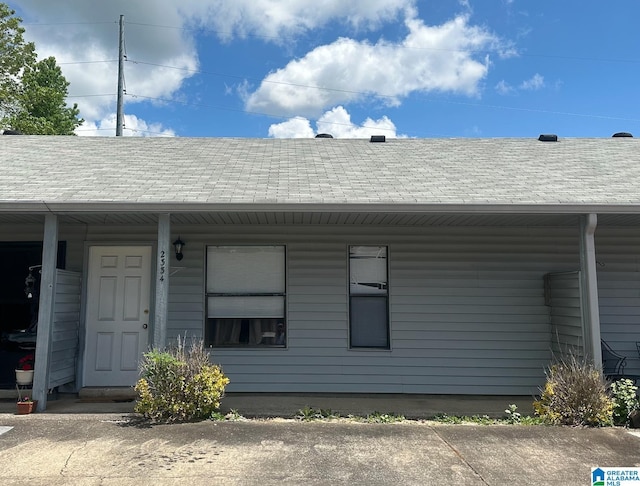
x,y
383,418
231,416
444,418
575,393
180,384
513,416
625,400
308,414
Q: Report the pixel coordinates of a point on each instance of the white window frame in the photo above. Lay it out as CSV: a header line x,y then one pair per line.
x,y
374,287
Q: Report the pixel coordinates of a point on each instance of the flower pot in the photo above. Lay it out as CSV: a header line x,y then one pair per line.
x,y
25,408
24,377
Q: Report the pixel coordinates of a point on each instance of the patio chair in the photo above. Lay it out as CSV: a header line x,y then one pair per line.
x,y
612,363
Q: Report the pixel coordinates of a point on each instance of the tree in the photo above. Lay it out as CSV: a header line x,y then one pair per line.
x,y
32,94
42,108
15,55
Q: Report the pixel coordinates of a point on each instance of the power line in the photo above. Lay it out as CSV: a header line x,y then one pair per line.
x,y
380,95
475,105
44,24
91,95
122,90
235,76
113,129
86,62
237,110
398,46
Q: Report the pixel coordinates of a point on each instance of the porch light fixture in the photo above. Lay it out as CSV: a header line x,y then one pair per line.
x,y
178,244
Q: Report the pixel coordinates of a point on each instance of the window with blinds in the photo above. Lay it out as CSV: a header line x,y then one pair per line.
x,y
368,297
245,291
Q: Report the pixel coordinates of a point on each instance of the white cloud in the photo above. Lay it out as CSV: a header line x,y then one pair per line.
x,y
278,19
535,83
132,127
504,88
430,58
92,35
336,122
296,127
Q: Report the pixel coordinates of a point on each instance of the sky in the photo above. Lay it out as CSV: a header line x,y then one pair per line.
x,y
350,68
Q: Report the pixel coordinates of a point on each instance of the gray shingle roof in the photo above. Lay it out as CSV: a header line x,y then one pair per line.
x,y
473,174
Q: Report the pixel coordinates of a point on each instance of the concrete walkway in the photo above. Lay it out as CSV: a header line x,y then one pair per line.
x,y
115,449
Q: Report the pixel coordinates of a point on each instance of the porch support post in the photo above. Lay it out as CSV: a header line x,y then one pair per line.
x,y
162,281
45,312
589,288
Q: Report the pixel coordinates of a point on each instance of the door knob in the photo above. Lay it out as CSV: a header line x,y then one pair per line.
x,y
144,326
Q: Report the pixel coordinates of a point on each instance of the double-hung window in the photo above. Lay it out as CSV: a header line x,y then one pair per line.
x,y
368,297
245,292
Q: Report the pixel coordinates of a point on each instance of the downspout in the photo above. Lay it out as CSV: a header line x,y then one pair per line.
x,y
589,288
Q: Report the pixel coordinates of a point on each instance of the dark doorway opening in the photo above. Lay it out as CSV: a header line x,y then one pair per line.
x,y
18,312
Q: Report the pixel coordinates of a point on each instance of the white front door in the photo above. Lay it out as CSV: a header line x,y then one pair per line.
x,y
117,317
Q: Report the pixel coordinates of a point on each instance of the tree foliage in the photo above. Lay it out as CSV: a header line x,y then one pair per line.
x,y
15,55
32,94
43,110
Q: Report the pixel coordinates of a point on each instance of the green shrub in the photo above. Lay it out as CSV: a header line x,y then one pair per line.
x,y
179,384
625,400
575,393
513,416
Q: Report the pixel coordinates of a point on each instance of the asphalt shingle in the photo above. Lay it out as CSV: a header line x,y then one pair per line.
x,y
206,171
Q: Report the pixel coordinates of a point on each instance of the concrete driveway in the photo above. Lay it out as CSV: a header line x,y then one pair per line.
x,y
111,449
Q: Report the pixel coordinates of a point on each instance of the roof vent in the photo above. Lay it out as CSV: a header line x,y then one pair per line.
x,y
548,138
324,135
11,132
622,135
378,138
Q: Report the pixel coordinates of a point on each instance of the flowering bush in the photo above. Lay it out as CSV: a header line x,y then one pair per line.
x,y
180,384
26,362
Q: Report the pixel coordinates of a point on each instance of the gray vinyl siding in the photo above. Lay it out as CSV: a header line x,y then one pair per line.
x,y
66,327
467,309
565,304
618,256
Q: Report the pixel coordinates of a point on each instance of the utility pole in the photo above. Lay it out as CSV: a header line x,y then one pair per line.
x,y
119,109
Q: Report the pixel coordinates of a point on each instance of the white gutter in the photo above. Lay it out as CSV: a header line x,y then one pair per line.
x,y
43,207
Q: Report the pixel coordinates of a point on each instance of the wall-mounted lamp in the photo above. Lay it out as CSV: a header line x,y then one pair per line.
x,y
178,244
